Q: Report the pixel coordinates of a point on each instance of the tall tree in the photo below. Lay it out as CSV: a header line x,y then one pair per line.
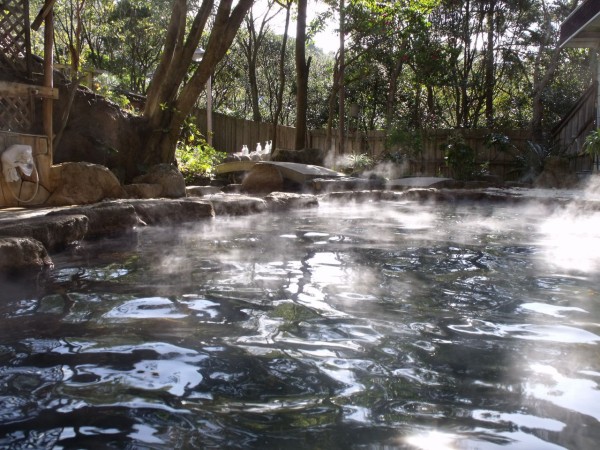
x,y
251,41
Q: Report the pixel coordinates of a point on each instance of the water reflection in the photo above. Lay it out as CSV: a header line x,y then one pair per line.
x,y
391,325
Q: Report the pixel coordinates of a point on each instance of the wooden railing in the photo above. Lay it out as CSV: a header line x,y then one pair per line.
x,y
570,133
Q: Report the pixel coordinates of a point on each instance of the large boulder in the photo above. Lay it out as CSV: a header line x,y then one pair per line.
x,y
98,131
81,183
22,253
262,179
166,175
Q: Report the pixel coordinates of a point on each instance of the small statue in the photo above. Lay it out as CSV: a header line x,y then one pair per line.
x,y
258,148
268,145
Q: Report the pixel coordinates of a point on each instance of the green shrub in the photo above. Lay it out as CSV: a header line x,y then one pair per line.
x,y
356,163
460,158
591,145
196,159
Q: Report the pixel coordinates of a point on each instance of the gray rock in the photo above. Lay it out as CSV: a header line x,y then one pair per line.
x,y
54,232
106,218
22,253
143,190
283,201
164,212
236,205
171,180
363,196
323,185
201,191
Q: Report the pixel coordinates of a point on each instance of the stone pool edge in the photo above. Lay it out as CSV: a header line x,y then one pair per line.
x,y
28,237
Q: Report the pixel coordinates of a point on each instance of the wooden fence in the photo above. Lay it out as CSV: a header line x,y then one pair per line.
x,y
431,161
229,134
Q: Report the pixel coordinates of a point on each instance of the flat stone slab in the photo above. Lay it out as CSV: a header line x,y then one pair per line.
x,y
292,171
424,182
307,170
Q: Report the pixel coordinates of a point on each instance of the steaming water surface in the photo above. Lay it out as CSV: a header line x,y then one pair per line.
x,y
388,325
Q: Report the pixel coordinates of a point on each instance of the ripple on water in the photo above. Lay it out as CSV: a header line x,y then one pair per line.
x,y
145,308
534,332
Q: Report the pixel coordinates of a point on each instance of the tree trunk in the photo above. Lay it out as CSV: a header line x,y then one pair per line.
x,y
170,99
281,88
335,87
489,67
301,77
390,105
251,48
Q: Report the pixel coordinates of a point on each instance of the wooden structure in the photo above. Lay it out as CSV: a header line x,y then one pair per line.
x,y
581,30
231,133
21,98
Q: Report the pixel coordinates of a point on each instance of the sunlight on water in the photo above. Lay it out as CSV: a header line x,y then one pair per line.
x,y
432,440
552,310
576,394
571,241
534,332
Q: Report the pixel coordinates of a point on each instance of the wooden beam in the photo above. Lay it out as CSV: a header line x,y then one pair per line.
x,y
42,14
22,90
47,103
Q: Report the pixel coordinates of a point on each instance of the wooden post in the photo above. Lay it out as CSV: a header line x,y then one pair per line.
x,y
597,73
47,103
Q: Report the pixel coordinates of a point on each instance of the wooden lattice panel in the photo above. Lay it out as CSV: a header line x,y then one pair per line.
x,y
16,113
14,36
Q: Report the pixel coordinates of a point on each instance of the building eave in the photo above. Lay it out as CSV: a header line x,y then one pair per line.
x,y
582,28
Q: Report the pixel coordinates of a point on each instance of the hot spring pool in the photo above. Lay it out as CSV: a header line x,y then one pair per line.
x,y
380,325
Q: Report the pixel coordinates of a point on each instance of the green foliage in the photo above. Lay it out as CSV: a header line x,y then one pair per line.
x,y
460,158
356,163
409,141
529,160
592,143
195,157
421,62
393,157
